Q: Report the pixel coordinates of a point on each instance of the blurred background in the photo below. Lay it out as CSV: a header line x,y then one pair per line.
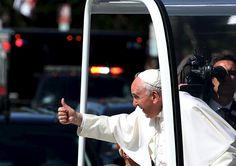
x,y
53,13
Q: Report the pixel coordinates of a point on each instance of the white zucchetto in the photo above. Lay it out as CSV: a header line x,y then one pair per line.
x,y
151,77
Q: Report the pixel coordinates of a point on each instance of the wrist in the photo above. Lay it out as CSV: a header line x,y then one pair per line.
x,y
78,119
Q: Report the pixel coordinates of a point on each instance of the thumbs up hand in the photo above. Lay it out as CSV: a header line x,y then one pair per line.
x,y
67,115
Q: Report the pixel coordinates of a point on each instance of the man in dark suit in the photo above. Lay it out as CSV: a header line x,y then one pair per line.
x,y
223,89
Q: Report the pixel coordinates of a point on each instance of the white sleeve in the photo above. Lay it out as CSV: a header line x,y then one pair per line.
x,y
108,128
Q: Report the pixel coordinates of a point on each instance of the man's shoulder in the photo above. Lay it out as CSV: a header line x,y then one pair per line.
x,y
233,109
233,106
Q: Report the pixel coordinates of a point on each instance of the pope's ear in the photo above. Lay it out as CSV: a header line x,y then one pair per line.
x,y
156,96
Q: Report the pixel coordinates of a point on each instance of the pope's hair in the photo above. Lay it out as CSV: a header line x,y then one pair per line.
x,y
149,88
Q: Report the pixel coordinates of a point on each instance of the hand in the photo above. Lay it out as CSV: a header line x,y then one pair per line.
x,y
67,115
127,159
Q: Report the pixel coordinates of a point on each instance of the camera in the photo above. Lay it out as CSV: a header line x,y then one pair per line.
x,y
196,74
201,70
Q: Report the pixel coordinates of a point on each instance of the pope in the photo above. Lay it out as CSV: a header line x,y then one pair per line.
x,y
207,138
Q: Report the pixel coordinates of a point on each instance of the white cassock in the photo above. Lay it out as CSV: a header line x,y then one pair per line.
x,y
207,138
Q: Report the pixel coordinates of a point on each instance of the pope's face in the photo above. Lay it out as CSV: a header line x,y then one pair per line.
x,y
225,86
149,102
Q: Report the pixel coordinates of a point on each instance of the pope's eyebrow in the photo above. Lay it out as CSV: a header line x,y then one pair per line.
x,y
133,94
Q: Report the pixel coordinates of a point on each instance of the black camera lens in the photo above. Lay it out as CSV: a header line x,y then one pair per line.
x,y
219,72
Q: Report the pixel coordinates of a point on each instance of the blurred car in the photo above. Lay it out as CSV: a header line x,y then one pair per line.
x,y
108,93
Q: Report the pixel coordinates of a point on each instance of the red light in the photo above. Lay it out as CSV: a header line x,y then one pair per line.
x,y
78,38
3,91
139,40
17,36
19,42
116,70
6,46
69,38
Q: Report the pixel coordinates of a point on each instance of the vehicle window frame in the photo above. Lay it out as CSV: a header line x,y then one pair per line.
x,y
168,68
